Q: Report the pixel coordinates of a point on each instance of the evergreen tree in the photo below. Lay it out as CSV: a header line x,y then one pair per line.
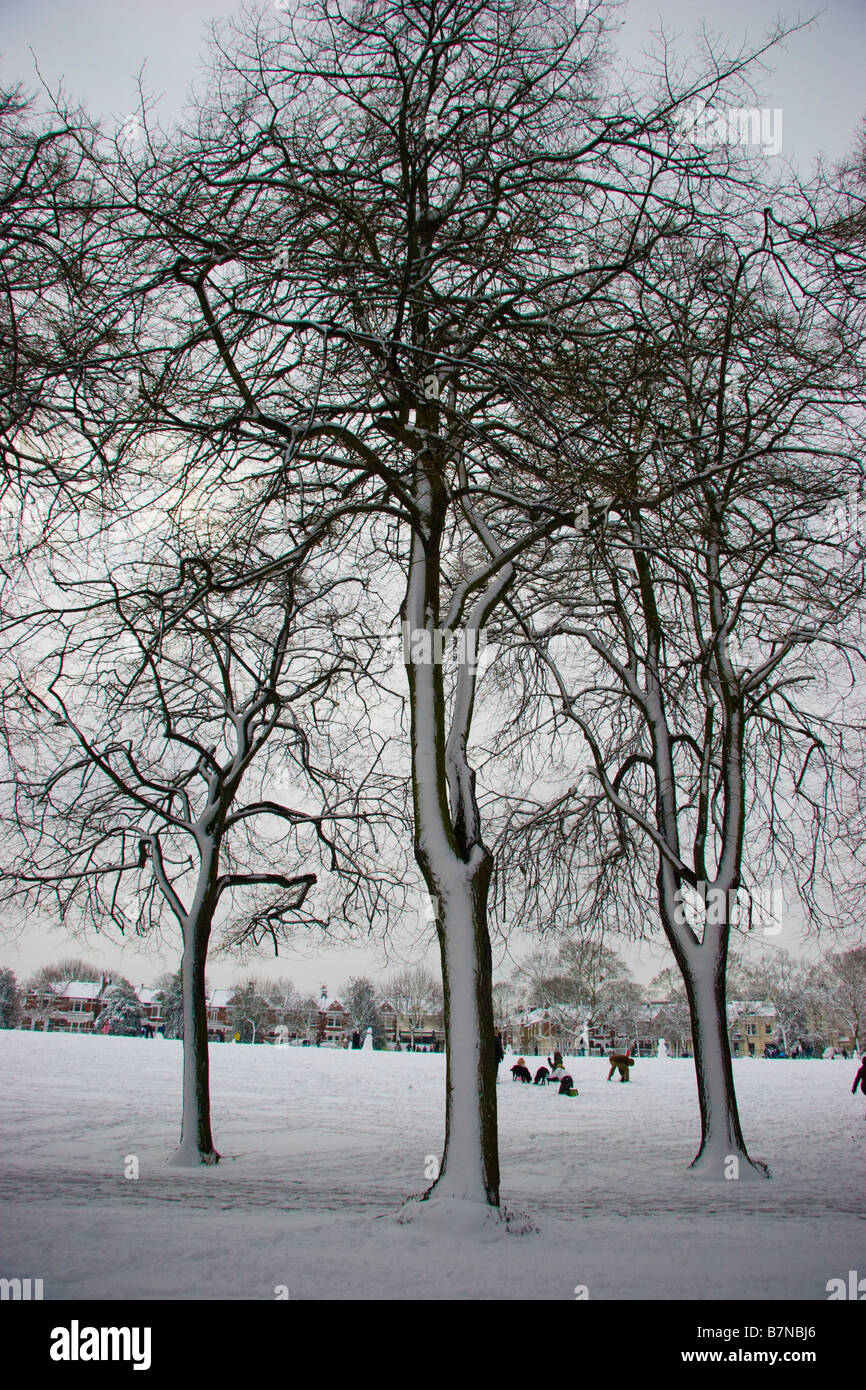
x,y
11,1000
121,1010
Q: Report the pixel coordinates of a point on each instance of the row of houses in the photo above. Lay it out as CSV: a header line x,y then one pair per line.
x,y
74,1006
541,1031
328,1022
753,1031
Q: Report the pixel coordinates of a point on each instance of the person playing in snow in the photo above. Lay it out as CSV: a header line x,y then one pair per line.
x,y
620,1061
520,1071
557,1061
860,1078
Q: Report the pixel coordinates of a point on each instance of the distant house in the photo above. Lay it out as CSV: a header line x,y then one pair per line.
x,y
565,1028
390,1023
66,1006
218,1001
643,1038
539,1032
335,1023
671,1021
420,1029
151,1001
536,1035
753,1026
293,1020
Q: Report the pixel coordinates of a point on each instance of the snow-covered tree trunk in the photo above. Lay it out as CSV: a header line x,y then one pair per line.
x,y
470,1159
722,1152
721,1135
196,1141
456,867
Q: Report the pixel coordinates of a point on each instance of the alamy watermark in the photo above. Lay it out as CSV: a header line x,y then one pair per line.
x,y
130,131
21,1290
845,521
853,1289
77,1343
762,907
427,646
735,125
430,914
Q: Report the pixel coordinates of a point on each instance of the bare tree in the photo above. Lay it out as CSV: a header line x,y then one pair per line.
x,y
583,985
361,998
302,1016
628,1015
505,1003
249,1013
847,972
701,637
75,968
415,993
791,986
672,1016
354,258
41,987
150,708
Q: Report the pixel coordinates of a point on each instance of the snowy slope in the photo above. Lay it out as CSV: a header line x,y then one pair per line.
x,y
320,1147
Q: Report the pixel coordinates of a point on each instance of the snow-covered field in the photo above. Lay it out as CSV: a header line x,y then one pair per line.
x,y
321,1147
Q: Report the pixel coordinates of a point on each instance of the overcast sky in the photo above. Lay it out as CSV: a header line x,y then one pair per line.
x,y
99,47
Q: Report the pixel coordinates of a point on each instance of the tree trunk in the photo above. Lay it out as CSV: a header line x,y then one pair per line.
x,y
196,1142
456,868
723,1150
470,1161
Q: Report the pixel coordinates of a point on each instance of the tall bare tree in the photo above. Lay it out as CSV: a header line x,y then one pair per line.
x,y
847,971
153,727
704,638
582,984
344,272
415,993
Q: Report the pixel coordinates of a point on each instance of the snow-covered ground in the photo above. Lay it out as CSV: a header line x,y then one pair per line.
x,y
321,1147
